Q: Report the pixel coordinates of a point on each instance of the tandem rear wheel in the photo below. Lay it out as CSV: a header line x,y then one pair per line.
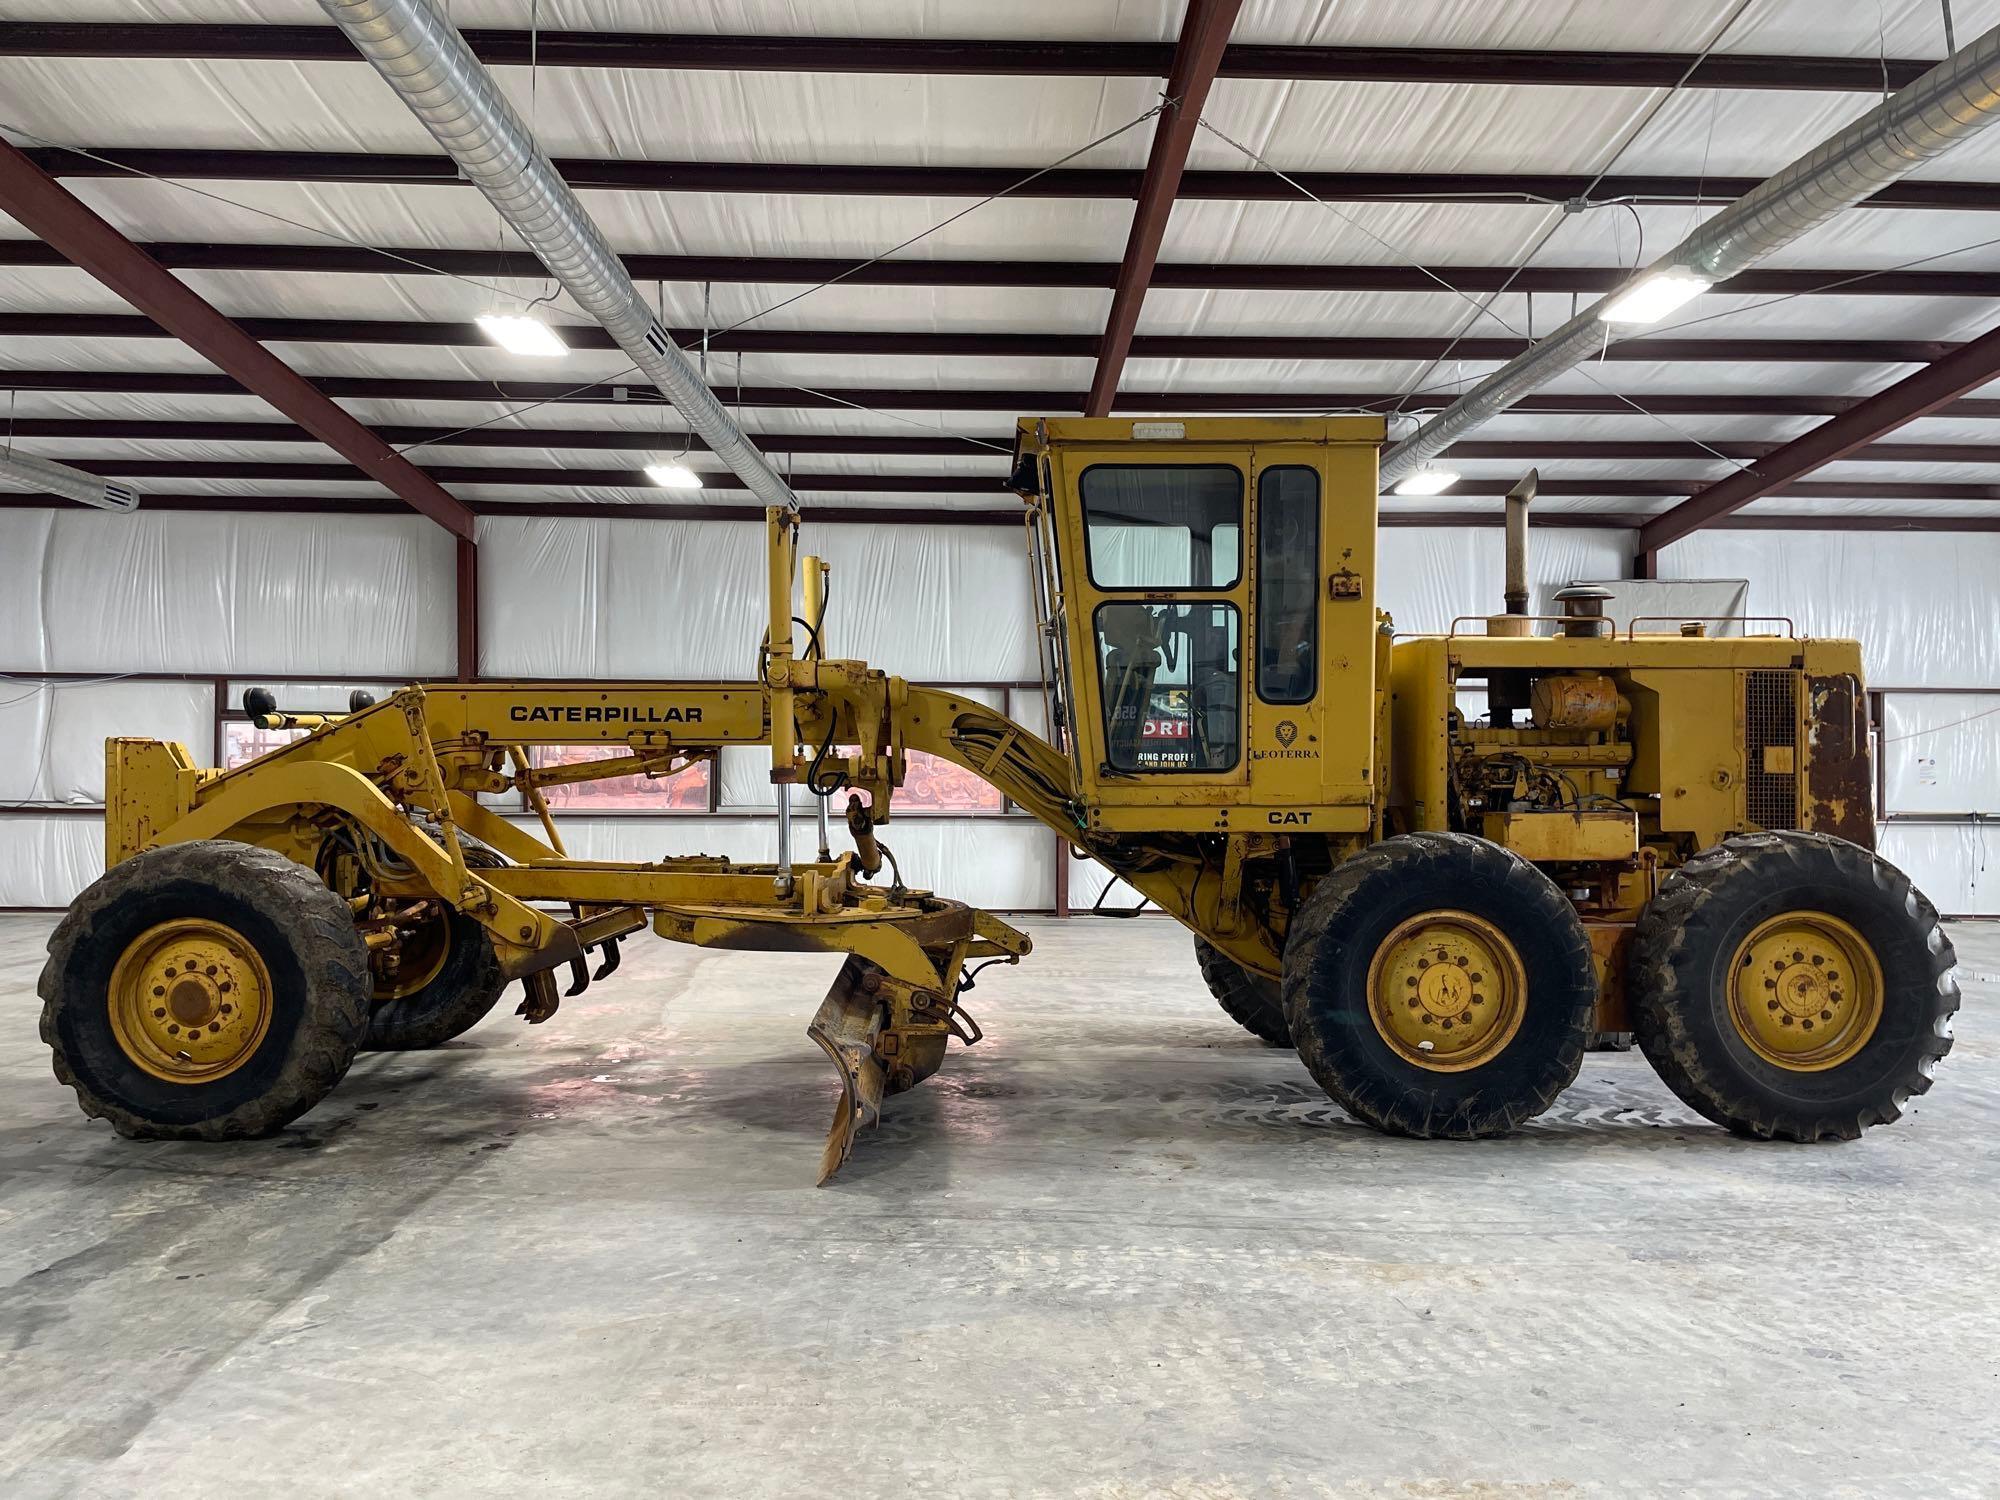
x,y
1439,985
1247,998
1792,986
446,981
204,991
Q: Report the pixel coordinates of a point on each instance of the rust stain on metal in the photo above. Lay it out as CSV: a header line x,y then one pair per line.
x,y
1839,780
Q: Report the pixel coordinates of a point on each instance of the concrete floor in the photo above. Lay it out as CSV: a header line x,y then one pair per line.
x,y
1120,1249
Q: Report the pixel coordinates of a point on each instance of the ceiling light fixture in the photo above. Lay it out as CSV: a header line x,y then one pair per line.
x,y
47,477
1427,481
673,476
519,334
1653,296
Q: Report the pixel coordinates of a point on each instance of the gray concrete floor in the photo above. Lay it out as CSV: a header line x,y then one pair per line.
x,y
1120,1249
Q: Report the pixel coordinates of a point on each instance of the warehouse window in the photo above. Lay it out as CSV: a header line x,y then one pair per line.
x,y
1287,584
1170,685
686,791
1163,526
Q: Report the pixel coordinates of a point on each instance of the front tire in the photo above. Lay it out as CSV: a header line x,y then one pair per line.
x,y
1792,985
204,991
1440,985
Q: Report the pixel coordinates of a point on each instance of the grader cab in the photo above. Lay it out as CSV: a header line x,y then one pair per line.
x,y
1434,865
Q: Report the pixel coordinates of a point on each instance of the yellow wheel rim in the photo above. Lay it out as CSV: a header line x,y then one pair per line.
x,y
420,960
1805,991
190,1000
1446,991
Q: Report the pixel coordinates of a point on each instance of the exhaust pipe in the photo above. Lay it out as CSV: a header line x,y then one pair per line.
x,y
1519,498
427,62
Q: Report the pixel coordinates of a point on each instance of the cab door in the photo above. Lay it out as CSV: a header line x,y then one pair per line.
x,y
1157,580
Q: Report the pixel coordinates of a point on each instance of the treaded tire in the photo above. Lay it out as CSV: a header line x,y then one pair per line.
x,y
303,932
457,998
1249,999
1346,919
1688,936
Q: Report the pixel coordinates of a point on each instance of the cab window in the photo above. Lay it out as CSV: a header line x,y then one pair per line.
x,y
1163,526
1287,584
1170,678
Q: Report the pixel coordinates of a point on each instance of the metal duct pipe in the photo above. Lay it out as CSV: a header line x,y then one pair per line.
x,y
427,62
1519,499
1953,101
45,476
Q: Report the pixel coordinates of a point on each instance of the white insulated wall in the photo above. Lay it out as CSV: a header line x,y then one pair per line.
x,y
366,599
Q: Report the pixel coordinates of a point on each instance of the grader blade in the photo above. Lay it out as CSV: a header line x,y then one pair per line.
x,y
847,1027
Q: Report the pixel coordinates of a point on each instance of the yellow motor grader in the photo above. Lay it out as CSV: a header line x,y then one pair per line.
x,y
1435,865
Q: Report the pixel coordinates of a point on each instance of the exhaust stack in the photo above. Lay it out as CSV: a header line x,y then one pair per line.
x,y
1515,621
1519,498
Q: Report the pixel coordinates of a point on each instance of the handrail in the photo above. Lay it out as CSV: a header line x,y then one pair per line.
x,y
1791,630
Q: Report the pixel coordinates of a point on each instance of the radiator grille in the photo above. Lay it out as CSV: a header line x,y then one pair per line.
x,y
1770,717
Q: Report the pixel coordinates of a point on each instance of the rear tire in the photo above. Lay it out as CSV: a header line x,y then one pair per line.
x,y
1249,999
204,991
457,998
1440,985
1819,1056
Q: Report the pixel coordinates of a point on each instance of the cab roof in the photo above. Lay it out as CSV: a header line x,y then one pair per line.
x,y
1234,431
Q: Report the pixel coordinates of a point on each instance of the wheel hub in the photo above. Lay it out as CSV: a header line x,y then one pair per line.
x,y
190,1000
1446,991
1805,991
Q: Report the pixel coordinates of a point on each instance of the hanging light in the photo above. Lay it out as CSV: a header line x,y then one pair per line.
x,y
1427,481
1653,296
518,333
673,476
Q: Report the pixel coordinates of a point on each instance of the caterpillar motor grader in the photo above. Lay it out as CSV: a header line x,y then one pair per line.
x,y
1437,902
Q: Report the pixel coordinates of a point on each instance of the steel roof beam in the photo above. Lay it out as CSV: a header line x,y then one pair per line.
x,y
1115,346
1191,275
49,210
1204,32
627,440
772,178
944,57
1967,369
887,515
969,484
1014,401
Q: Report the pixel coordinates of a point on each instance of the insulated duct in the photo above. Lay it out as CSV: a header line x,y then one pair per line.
x,y
1950,103
46,477
428,64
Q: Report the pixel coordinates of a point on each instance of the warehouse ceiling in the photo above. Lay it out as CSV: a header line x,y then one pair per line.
x,y
1457,146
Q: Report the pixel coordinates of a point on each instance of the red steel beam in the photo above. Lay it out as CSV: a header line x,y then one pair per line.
x,y
1204,33
1117,343
465,575
1966,368
875,180
50,211
633,440
1324,276
964,484
886,515
1013,401
945,57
